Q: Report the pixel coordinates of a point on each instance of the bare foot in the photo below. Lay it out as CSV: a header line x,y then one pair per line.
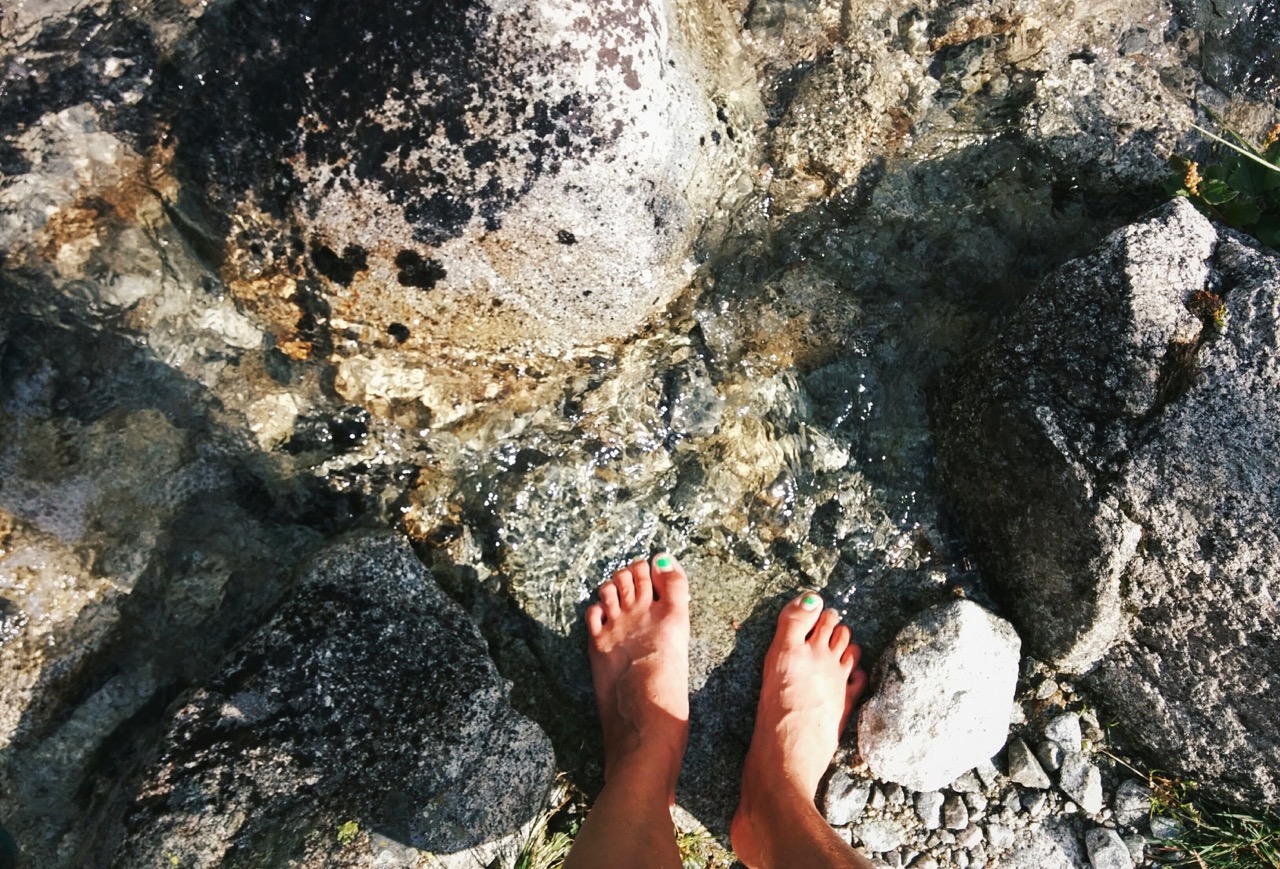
x,y
811,682
639,650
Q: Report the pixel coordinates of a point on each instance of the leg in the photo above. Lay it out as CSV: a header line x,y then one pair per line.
x,y
639,650
811,681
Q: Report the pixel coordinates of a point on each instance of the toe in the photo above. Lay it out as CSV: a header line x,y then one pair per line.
x,y
669,581
821,636
626,587
856,685
851,656
609,600
798,618
644,584
841,637
595,620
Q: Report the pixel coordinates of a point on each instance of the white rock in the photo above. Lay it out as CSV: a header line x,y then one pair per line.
x,y
946,683
955,814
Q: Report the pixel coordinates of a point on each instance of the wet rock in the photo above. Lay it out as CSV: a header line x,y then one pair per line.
x,y
368,700
1023,767
942,694
479,201
1132,802
1081,780
1107,850
845,798
1096,438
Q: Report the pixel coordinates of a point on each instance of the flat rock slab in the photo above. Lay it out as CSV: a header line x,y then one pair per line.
x,y
1082,431
942,696
368,705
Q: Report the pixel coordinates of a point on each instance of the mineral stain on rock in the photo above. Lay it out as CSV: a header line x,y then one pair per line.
x,y
416,271
272,98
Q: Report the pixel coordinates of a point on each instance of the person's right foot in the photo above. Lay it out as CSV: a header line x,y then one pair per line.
x,y
811,682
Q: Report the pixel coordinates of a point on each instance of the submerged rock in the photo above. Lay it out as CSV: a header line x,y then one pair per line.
x,y
368,703
1076,449
475,182
941,698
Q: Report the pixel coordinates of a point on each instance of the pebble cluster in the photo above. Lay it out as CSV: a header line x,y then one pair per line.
x,y
1054,772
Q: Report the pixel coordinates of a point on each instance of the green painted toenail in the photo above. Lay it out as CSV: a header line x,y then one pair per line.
x,y
809,600
663,562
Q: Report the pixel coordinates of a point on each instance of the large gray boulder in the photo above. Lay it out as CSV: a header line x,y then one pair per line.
x,y
943,691
366,716
1113,457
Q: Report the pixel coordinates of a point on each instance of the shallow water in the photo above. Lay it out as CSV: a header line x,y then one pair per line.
x,y
916,177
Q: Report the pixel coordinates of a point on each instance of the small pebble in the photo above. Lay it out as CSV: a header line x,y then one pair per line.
x,y
955,815
1081,780
1107,850
1046,689
1000,836
877,799
1137,848
1023,766
1165,828
893,794
925,862
1132,802
988,773
1035,803
1064,729
845,798
1049,753
969,836
966,784
929,808
893,858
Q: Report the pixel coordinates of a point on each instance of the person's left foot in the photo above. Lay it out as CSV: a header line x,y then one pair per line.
x,y
639,651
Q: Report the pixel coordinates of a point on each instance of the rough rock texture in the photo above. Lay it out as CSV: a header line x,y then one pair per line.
x,y
368,698
1077,453
942,693
505,181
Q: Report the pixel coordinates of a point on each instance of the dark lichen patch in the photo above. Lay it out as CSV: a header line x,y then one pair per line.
x,y
341,269
399,331
564,236
423,102
94,57
416,271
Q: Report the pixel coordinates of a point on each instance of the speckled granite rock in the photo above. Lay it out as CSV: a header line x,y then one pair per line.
x,y
368,700
1080,432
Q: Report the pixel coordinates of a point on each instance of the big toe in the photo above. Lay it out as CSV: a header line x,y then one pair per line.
x,y
798,618
669,581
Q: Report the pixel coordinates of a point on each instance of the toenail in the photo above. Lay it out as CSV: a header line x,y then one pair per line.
x,y
663,562
810,601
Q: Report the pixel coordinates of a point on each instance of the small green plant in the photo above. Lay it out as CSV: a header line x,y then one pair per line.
x,y
1213,837
1241,188
347,833
545,849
